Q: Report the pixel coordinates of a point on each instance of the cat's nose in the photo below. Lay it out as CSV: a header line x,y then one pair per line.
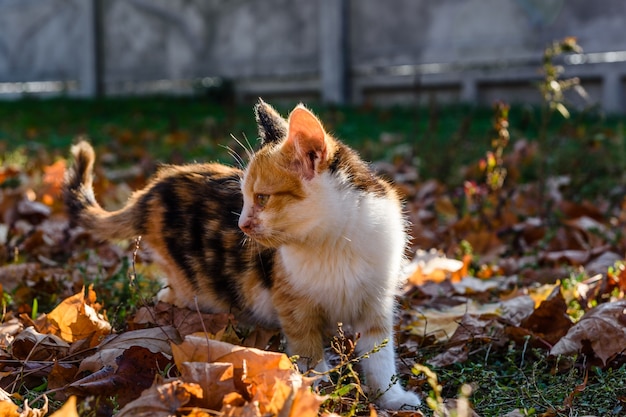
x,y
245,225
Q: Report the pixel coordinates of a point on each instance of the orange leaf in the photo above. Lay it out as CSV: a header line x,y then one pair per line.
x,y
68,409
74,320
53,181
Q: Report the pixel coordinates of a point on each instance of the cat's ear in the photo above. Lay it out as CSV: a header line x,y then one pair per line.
x,y
272,127
308,139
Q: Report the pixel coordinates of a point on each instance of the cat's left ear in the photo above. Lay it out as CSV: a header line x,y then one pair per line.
x,y
308,139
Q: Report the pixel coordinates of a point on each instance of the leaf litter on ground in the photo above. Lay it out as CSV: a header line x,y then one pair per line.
x,y
498,275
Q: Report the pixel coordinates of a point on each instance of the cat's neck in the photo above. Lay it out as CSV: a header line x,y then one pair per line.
x,y
344,222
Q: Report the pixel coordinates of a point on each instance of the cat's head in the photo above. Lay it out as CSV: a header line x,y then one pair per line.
x,y
283,176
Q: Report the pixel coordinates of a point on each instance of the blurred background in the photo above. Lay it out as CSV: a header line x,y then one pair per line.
x,y
330,51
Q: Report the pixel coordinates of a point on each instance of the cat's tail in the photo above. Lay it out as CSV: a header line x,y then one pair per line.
x,y
81,204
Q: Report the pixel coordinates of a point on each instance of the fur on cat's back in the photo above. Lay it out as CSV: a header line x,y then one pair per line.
x,y
305,236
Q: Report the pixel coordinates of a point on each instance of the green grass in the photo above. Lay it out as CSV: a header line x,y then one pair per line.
x,y
526,379
439,141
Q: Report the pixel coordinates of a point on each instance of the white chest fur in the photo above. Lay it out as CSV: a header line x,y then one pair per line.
x,y
352,259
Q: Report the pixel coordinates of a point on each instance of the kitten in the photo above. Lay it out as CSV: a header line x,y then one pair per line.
x,y
305,237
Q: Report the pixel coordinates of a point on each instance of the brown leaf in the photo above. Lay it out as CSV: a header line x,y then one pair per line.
x,y
216,380
443,323
470,329
8,330
52,182
602,263
156,340
162,400
266,379
549,321
186,321
574,257
61,375
603,327
11,275
136,370
305,403
32,345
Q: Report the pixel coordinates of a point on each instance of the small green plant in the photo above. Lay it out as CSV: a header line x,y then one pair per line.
x,y
495,171
434,399
345,393
552,89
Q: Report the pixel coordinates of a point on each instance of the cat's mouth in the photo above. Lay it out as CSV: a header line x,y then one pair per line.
x,y
268,241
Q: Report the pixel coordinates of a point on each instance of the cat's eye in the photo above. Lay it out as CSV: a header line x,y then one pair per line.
x,y
262,199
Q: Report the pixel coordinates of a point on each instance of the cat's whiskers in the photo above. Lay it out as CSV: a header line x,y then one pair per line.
x,y
250,147
249,151
233,154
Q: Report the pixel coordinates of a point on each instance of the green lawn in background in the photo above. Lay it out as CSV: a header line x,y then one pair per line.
x,y
437,140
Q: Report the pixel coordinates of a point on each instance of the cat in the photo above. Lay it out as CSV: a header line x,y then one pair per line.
x,y
304,237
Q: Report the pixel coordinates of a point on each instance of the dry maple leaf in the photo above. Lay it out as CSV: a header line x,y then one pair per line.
x,y
74,319
267,380
603,328
216,379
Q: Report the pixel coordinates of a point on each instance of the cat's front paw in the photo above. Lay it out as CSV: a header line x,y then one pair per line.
x,y
397,398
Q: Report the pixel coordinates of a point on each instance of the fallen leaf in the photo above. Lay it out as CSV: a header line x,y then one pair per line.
x,y
32,345
602,263
68,409
432,266
471,328
61,375
52,182
156,340
547,324
7,407
186,321
473,285
8,330
216,380
136,370
443,323
593,327
74,320
162,400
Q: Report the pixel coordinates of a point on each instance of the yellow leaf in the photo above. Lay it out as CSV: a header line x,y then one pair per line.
x,y
68,409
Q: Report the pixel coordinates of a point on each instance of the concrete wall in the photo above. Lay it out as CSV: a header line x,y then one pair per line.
x,y
335,50
49,42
